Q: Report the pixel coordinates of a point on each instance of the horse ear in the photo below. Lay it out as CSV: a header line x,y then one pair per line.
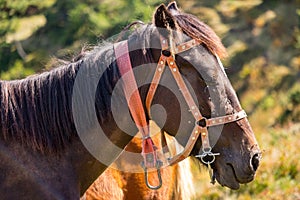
x,y
163,18
172,7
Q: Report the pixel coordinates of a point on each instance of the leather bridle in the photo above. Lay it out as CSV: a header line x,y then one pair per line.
x,y
136,108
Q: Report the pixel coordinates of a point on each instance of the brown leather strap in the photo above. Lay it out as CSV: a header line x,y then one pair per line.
x,y
183,88
155,81
130,87
186,46
134,102
193,109
188,148
226,119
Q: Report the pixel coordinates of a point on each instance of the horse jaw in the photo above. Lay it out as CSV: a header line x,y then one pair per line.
x,y
226,177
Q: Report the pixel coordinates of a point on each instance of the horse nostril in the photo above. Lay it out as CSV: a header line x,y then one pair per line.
x,y
255,161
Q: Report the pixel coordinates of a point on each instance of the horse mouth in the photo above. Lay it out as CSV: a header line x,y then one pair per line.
x,y
229,177
234,175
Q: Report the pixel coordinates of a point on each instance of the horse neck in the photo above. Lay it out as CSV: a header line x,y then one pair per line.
x,y
36,117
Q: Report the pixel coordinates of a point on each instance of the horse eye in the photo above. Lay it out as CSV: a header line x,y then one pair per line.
x,y
181,60
206,89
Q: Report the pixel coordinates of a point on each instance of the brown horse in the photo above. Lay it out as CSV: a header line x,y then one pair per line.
x,y
61,129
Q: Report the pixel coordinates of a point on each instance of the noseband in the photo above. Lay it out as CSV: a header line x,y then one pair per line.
x,y
137,110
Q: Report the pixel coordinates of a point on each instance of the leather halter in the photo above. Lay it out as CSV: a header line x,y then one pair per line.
x,y
201,123
138,114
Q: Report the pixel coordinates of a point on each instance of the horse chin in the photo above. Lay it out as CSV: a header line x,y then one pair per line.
x,y
226,177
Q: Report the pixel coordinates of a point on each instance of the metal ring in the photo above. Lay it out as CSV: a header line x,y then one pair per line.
x,y
208,162
204,154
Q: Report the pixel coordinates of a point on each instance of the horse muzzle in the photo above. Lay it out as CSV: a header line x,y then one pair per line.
x,y
231,173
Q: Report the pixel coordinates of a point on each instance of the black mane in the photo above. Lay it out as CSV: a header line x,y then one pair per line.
x,y
36,111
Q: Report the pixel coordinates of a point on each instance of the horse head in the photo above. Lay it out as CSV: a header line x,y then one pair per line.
x,y
237,153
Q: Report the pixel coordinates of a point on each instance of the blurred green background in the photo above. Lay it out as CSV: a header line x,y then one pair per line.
x,y
263,42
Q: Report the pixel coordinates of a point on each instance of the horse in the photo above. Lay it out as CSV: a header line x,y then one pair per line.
x,y
116,185
62,128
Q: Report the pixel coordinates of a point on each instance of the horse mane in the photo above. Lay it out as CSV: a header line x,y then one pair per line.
x,y
36,111
196,29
